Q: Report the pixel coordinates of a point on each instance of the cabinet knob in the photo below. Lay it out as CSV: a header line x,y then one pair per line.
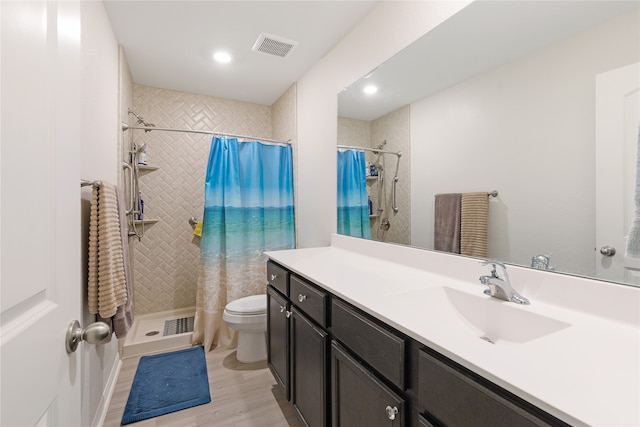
x,y
282,307
287,313
302,297
273,277
391,412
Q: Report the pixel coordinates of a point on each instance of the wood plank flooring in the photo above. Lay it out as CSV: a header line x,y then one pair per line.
x,y
243,395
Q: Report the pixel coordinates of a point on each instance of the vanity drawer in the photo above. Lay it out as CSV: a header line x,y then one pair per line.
x,y
455,396
380,348
311,300
278,277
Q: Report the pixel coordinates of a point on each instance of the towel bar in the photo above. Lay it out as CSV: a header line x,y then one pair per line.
x,y
86,183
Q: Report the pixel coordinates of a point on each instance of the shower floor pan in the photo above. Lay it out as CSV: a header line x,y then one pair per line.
x,y
156,332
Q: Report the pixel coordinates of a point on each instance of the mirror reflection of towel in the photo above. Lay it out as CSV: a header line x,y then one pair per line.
x,y
446,231
474,224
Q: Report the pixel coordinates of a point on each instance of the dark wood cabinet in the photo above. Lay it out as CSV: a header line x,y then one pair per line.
x,y
298,346
451,395
278,338
341,367
309,366
382,349
359,398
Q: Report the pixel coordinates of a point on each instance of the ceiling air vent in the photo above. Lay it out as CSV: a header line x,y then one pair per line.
x,y
274,45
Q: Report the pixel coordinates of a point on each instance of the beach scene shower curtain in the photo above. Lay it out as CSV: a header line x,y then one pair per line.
x,y
248,210
353,202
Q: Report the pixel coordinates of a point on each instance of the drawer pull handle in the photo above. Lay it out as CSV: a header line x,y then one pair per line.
x,y
302,297
391,412
287,314
273,277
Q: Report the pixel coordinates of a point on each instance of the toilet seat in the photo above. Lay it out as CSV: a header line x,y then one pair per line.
x,y
252,305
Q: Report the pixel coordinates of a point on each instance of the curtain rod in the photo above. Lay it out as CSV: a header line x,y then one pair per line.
x,y
206,132
375,150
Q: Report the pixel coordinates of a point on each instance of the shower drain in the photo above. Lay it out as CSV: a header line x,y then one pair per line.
x,y
178,326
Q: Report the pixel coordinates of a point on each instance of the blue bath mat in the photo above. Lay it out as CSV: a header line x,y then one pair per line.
x,y
167,382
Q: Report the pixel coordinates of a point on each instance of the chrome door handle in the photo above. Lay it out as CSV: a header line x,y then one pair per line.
x,y
608,250
95,333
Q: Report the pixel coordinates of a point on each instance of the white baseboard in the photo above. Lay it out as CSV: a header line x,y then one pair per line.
x,y
103,407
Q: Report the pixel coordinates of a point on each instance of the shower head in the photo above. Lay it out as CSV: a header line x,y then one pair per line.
x,y
380,146
141,121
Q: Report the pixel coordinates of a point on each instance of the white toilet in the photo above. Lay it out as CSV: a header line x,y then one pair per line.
x,y
248,316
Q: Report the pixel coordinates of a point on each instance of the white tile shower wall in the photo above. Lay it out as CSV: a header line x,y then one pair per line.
x,y
394,128
284,124
166,259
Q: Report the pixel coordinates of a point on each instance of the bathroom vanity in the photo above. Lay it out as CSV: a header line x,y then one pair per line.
x,y
361,333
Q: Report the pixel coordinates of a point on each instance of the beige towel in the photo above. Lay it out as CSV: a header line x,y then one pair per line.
x,y
474,224
107,282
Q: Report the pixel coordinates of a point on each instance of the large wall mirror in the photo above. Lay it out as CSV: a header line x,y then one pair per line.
x,y
537,100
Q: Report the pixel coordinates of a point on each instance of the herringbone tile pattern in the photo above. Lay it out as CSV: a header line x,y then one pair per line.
x,y
166,259
393,127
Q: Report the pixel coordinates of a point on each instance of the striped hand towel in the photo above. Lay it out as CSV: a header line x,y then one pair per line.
x,y
474,224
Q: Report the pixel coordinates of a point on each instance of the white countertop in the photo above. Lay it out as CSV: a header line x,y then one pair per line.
x,y
587,373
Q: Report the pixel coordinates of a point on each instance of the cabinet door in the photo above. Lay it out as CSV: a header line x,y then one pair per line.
x,y
358,397
278,338
309,350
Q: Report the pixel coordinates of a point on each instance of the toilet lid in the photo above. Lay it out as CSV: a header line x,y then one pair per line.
x,y
255,304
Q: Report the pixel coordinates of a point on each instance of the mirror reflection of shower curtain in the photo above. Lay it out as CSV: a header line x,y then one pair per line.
x,y
353,206
248,210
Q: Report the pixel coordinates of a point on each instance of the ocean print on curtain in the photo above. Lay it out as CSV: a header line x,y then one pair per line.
x,y
248,210
353,202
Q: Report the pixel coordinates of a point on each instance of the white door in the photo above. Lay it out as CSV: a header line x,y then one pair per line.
x,y
617,121
39,212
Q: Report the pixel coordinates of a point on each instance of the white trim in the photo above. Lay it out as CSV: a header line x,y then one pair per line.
x,y
105,401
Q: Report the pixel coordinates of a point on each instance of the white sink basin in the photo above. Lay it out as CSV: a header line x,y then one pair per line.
x,y
491,319
495,320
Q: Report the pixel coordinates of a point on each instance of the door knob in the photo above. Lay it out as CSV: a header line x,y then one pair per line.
x,y
95,333
608,250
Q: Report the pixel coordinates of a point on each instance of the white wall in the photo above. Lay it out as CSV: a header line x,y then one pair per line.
x,y
387,29
526,129
99,161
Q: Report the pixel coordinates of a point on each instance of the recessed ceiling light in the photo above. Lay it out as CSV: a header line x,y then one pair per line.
x,y
222,57
369,90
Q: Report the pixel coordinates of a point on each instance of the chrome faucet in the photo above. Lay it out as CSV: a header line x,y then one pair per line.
x,y
499,285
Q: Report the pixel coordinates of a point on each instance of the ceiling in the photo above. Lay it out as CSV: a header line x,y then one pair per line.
x,y
480,37
170,44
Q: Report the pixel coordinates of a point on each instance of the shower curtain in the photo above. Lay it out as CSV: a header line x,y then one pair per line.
x,y
353,206
248,209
